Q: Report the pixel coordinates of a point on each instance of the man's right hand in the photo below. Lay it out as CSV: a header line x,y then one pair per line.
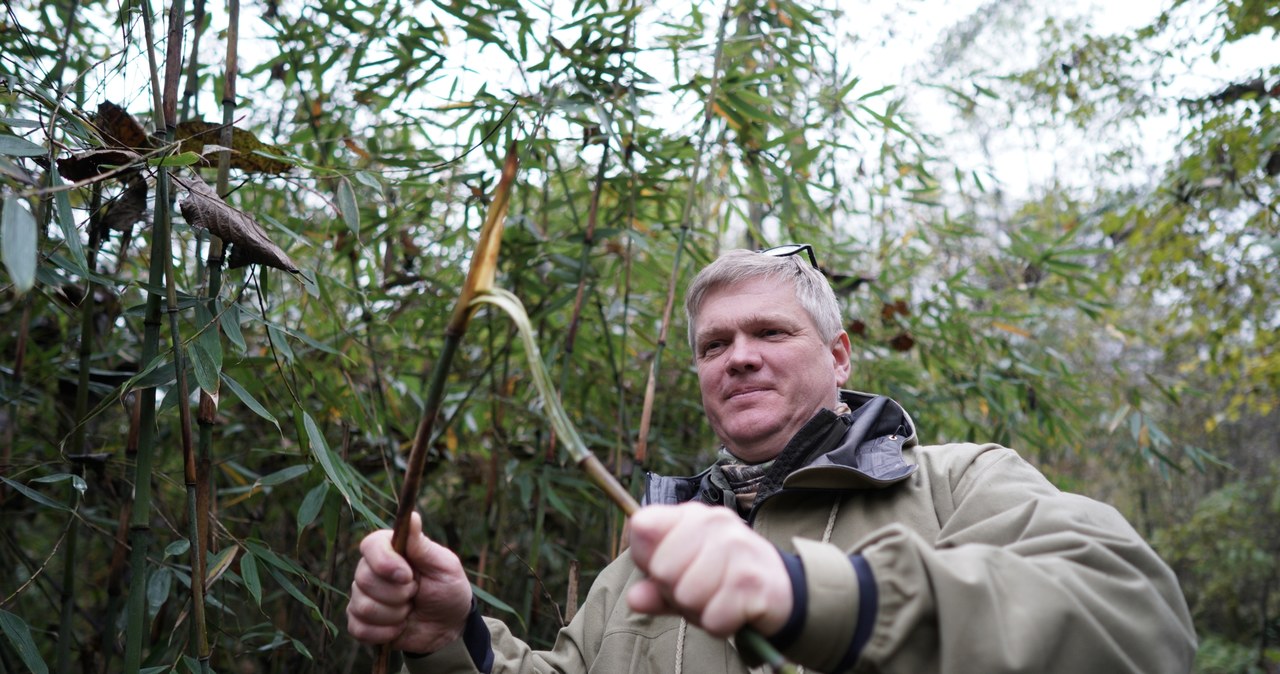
x,y
417,603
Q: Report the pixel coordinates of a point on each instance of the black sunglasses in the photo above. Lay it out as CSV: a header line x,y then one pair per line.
x,y
792,249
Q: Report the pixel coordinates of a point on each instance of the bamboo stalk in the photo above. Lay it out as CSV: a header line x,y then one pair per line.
x,y
208,411
484,264
199,641
140,527
63,664
650,391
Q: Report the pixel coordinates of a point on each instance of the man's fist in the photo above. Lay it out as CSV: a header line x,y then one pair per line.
x,y
417,603
705,564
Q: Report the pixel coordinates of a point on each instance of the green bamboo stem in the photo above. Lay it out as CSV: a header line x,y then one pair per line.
x,y
77,446
650,391
199,637
140,534
208,411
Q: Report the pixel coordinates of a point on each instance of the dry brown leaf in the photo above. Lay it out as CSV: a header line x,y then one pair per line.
x,y
129,207
119,127
195,134
249,241
95,162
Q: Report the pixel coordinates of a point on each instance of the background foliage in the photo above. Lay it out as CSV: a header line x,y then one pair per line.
x,y
1114,320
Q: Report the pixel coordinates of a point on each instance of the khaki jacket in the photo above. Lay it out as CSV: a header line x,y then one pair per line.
x,y
980,565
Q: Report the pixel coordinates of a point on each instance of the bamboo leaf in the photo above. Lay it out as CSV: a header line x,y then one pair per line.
x,y
180,159
35,495
76,481
158,586
18,243
220,564
248,399
177,548
311,505
14,146
229,318
19,635
283,475
320,450
67,221
492,600
205,209
206,351
249,573
347,204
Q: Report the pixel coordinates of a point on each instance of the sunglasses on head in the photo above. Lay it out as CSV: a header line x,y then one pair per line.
x,y
792,249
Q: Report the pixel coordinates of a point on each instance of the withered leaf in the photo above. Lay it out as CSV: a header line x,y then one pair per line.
x,y
902,342
195,134
95,162
122,212
249,241
120,128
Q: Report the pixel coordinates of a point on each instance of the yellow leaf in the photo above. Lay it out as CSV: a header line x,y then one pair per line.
x,y
451,440
733,124
1011,328
984,407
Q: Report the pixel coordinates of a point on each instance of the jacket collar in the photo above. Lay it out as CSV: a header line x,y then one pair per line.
x,y
858,450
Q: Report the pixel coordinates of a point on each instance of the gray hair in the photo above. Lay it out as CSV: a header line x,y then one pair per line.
x,y
812,290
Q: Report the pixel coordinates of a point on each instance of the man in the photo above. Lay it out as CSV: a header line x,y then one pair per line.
x,y
823,526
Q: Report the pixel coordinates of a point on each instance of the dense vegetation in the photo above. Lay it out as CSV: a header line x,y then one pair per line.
x,y
214,360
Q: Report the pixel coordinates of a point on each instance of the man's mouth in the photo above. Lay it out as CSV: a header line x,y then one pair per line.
x,y
744,391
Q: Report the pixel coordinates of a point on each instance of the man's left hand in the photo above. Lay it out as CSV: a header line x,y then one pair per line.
x,y
705,564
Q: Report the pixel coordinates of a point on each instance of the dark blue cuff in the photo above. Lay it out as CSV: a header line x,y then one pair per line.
x,y
790,631
476,638
868,604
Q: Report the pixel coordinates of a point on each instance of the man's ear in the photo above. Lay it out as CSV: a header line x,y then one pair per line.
x,y
841,356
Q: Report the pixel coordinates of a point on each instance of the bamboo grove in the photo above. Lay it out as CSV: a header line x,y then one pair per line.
x,y
233,238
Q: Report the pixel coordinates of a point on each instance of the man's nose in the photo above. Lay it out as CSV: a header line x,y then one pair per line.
x,y
744,356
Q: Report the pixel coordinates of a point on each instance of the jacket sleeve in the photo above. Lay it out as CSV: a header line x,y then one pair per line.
x,y
1021,578
576,644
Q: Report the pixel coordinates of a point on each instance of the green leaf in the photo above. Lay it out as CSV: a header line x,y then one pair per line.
x,y
215,567
248,399
34,495
492,600
320,450
180,159
76,481
336,471
249,573
20,147
19,635
283,475
301,648
158,588
206,351
18,243
347,204
281,342
178,547
66,220
229,318
875,93
311,505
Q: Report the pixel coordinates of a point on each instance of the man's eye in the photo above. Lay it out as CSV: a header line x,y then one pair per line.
x,y
712,348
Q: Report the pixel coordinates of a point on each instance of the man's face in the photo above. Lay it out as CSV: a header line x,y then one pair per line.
x,y
762,367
